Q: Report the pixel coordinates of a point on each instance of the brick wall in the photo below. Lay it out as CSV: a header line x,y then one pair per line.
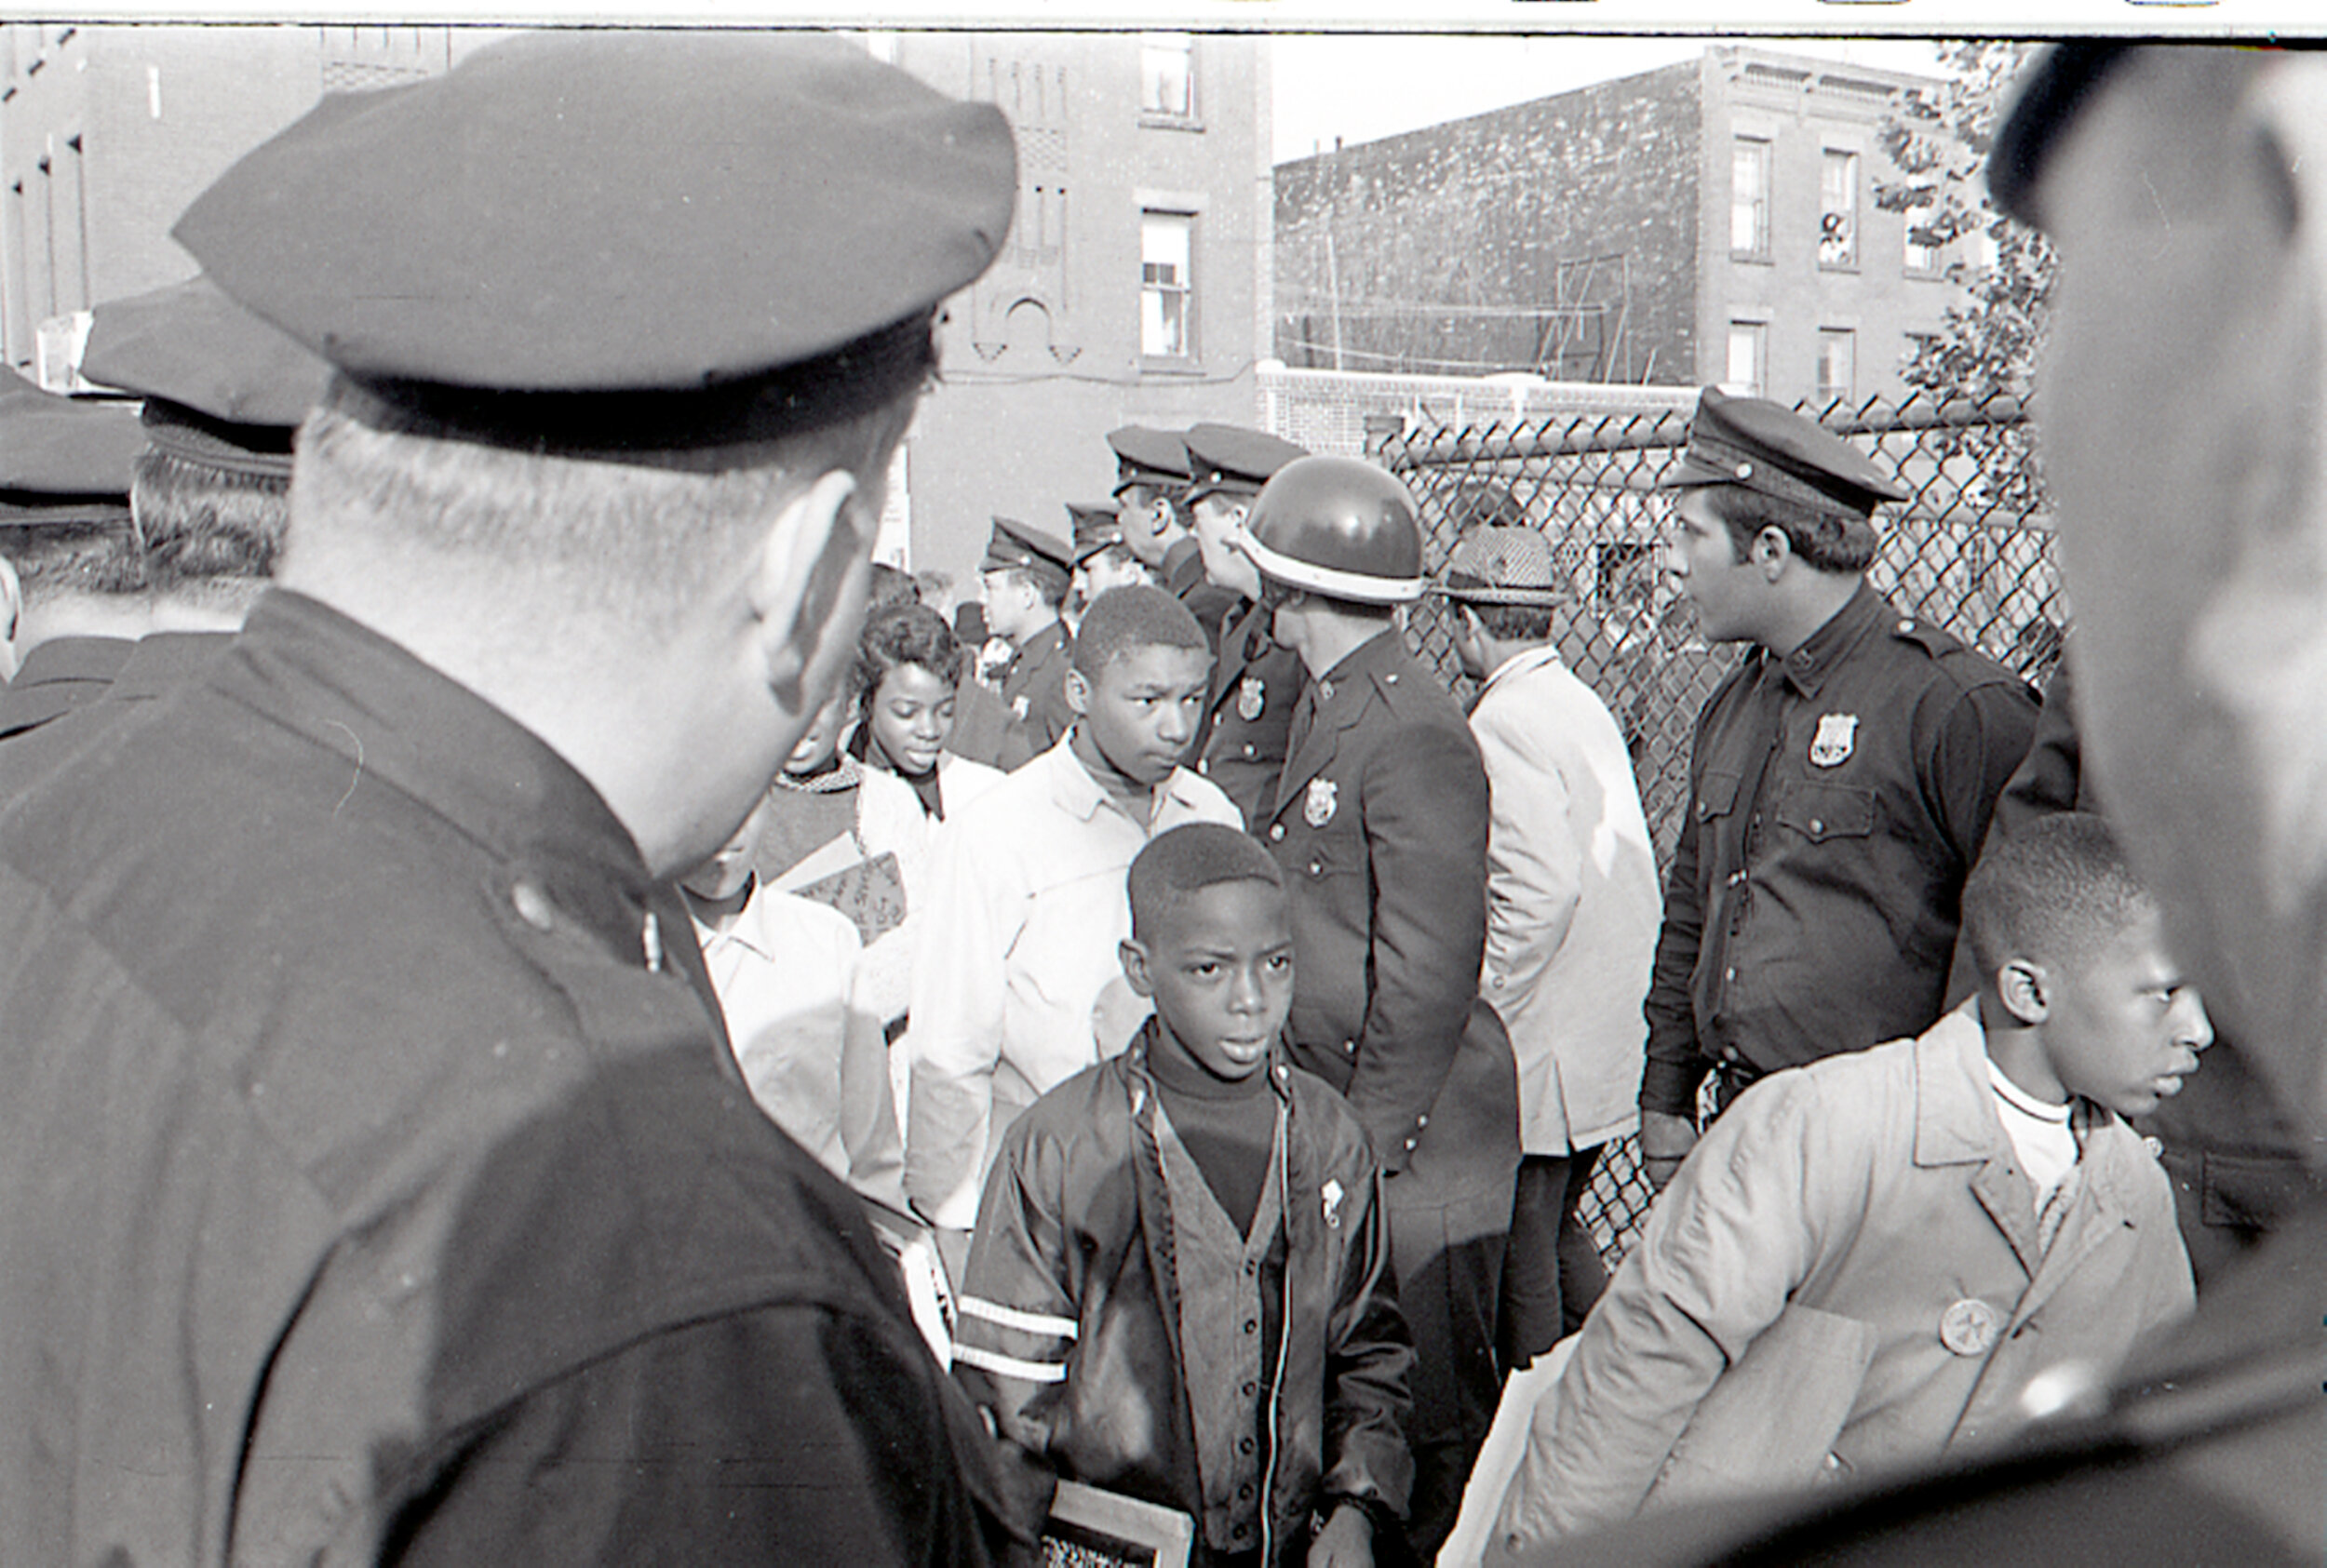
x,y
1558,235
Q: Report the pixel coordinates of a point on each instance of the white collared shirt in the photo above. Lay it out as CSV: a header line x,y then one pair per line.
x,y
1017,981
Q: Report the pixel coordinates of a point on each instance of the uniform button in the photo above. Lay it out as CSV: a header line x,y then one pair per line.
x,y
1736,876
1349,1047
1324,691
1409,1145
2155,1147
1251,1389
532,907
1251,1265
1728,1054
1817,824
1203,765
1906,626
1244,1491
1317,868
1252,1325
1390,680
1728,974
1493,982
1276,834
1243,1445
1247,748
1422,1121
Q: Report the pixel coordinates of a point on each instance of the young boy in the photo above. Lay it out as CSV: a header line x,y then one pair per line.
x,y
1015,983
1905,1252
1178,1288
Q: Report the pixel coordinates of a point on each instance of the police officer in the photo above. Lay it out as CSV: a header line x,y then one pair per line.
x,y
1379,820
1255,681
1025,575
1101,558
1150,480
378,1190
71,578
223,393
1840,780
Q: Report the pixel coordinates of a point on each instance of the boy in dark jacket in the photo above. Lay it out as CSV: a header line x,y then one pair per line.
x,y
1179,1288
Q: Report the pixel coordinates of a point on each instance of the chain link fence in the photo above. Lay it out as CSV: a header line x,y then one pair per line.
x,y
1965,550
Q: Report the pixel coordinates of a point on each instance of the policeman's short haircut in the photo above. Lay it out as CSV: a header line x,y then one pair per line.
x,y
644,535
900,634
1133,616
2054,893
1513,623
1049,584
56,560
1189,858
211,534
1829,541
1117,554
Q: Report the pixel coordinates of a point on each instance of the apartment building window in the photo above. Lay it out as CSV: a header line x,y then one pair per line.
x,y
1838,364
1839,210
1919,259
1749,200
1168,75
1749,353
1166,287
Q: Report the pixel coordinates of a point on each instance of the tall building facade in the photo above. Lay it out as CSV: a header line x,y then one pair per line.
x,y
1711,221
1134,287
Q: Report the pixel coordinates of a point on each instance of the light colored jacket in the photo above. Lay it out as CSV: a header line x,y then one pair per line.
x,y
1844,1277
1572,903
1017,981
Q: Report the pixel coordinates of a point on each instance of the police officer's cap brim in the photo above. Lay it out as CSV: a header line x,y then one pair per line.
x,y
2049,100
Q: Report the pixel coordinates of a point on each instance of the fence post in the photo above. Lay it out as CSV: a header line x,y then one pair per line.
x,y
1380,430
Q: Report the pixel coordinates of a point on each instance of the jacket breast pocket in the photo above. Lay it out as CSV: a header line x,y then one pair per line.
x,y
1328,855
1716,796
1771,1420
1820,813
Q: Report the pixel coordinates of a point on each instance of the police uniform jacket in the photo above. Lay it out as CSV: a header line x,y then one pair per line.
x,y
1034,695
151,667
58,677
1185,579
373,1189
1380,823
1074,1301
1837,799
1849,1263
1248,714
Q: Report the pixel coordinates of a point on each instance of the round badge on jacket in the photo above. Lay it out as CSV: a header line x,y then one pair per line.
x,y
1971,1327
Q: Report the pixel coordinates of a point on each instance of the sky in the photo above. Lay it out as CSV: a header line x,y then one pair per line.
x,y
1362,86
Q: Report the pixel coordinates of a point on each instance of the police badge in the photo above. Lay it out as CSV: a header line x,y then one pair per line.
x,y
1251,695
1831,746
1317,809
1018,707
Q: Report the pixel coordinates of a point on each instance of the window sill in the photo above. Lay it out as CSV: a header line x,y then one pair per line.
x,y
1150,120
1168,365
1850,268
1752,258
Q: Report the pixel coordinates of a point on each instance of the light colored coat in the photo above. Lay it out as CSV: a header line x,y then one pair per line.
x,y
1572,903
1017,985
1845,1276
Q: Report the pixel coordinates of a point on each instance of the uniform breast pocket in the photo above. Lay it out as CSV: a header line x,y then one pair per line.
x,y
1716,796
1327,856
1822,812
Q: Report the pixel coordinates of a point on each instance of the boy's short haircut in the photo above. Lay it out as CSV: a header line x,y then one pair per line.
x,y
206,527
1133,616
890,585
903,632
1187,860
1829,540
2053,891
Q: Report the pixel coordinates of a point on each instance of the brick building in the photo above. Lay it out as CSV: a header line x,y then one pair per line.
x,y
1709,222
1134,287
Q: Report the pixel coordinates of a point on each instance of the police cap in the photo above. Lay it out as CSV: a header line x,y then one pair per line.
x,y
1156,458
1097,525
1758,444
221,388
615,241
63,461
1016,545
1229,460
1502,566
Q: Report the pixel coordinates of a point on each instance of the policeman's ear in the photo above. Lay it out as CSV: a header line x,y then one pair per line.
x,y
1771,550
1078,690
1136,974
12,614
807,588
2025,991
